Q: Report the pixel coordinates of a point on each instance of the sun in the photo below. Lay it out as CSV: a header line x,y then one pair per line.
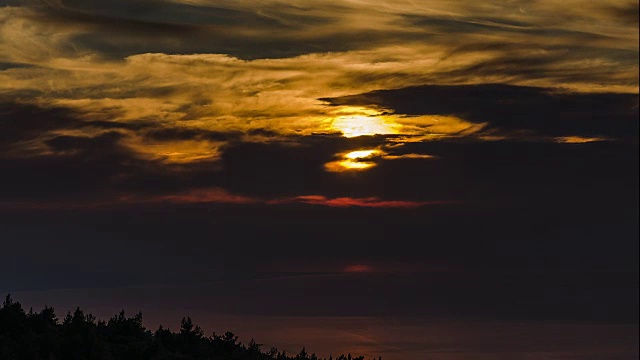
x,y
359,125
360,154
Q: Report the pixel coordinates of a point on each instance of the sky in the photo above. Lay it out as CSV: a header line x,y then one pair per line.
x,y
410,178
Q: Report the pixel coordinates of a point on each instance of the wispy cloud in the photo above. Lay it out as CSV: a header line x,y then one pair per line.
x,y
220,196
54,57
371,202
170,89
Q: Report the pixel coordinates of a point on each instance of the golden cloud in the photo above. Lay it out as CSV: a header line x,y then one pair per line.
x,y
219,92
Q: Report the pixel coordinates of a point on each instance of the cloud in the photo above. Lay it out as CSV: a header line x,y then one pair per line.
x,y
216,94
291,28
154,108
190,98
60,157
361,160
195,196
215,196
372,202
221,196
506,110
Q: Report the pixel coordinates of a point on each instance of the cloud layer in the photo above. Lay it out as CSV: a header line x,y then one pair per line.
x,y
264,101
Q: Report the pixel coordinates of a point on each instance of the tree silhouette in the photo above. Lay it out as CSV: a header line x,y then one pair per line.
x,y
41,336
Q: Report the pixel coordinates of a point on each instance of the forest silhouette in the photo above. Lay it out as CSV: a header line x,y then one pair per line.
x,y
41,336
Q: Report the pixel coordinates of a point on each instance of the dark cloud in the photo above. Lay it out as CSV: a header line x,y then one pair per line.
x,y
83,168
24,123
121,16
170,133
102,145
5,65
542,111
488,25
628,13
548,64
203,40
147,13
291,169
19,122
121,28
495,173
263,132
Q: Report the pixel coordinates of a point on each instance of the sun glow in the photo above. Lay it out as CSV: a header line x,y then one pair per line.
x,y
348,165
358,125
354,165
360,154
354,160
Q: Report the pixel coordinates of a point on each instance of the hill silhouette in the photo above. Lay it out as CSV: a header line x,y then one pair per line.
x,y
41,336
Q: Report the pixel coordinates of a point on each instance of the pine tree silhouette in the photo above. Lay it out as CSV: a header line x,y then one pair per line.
x,y
41,336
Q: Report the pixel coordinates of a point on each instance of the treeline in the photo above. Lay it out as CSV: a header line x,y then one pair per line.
x,y
41,336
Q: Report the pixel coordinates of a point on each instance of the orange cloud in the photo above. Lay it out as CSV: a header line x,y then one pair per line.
x,y
578,139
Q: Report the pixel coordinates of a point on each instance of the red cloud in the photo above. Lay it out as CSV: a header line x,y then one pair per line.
x,y
370,202
359,268
221,196
218,195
